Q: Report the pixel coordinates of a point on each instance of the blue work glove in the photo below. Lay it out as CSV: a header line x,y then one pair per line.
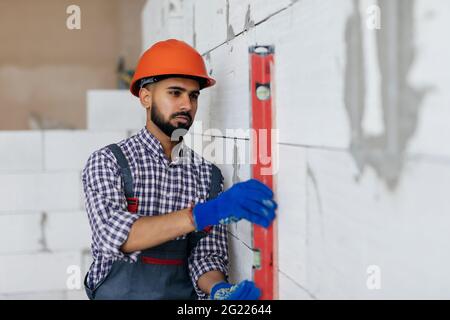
x,y
245,290
251,200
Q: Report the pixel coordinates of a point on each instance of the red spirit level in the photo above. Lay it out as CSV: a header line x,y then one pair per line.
x,y
261,87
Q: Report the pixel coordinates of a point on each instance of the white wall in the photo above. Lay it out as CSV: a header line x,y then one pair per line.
x,y
46,231
362,117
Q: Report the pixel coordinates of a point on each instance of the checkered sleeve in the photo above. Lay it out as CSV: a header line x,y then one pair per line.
x,y
211,253
106,205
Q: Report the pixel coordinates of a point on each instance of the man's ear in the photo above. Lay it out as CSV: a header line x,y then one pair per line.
x,y
145,96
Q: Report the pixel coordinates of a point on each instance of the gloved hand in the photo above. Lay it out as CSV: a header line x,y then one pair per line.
x,y
251,200
245,290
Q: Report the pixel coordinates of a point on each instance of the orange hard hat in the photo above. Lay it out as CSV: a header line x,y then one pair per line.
x,y
170,58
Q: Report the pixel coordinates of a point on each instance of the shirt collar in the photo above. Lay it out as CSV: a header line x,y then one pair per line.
x,y
154,146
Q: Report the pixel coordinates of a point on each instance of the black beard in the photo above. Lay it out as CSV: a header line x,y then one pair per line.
x,y
166,126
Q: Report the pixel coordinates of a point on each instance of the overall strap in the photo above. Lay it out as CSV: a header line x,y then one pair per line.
x,y
216,181
126,177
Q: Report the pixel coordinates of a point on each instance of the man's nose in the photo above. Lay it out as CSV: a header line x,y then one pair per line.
x,y
186,104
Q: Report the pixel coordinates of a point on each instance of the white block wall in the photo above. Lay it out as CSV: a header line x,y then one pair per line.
x,y
46,229
364,162
114,110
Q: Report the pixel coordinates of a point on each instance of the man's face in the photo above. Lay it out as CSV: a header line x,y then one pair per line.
x,y
174,104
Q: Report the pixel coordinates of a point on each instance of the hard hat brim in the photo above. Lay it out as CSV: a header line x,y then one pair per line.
x,y
204,82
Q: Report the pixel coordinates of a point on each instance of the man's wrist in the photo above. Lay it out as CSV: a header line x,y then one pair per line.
x,y
191,215
204,214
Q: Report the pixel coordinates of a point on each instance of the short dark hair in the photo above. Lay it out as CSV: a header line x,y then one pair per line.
x,y
150,80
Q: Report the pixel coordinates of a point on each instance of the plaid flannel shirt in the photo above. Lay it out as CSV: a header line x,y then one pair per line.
x,y
161,186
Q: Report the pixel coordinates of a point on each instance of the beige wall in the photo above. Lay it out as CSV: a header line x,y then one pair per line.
x,y
45,69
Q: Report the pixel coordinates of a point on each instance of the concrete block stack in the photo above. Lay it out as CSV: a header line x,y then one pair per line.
x,y
45,241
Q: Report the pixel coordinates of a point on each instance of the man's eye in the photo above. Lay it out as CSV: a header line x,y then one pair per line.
x,y
194,96
175,93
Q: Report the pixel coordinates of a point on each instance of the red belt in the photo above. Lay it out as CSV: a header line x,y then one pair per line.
x,y
150,260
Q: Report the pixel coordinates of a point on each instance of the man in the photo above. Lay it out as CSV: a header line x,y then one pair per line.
x,y
158,221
